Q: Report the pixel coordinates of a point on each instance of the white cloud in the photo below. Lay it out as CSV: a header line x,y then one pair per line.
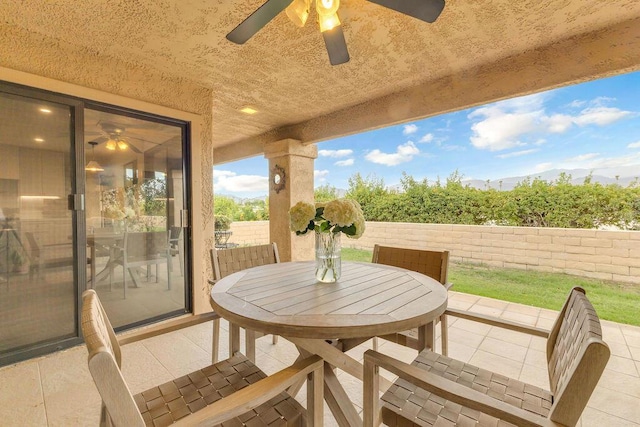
x,y
577,103
320,175
634,145
600,116
335,153
541,167
409,129
348,162
217,173
583,157
499,130
559,123
427,138
230,181
604,162
518,153
513,123
403,154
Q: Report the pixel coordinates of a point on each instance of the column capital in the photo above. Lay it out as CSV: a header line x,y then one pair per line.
x,y
289,147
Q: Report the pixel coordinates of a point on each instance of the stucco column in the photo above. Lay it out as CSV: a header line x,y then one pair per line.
x,y
290,181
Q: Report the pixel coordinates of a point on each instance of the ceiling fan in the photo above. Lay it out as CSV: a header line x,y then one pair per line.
x,y
298,11
114,138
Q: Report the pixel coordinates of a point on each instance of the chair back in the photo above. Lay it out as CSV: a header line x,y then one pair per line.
x,y
576,357
175,233
228,261
118,406
145,245
434,264
33,243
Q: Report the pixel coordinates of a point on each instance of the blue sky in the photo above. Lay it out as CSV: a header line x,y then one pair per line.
x,y
593,125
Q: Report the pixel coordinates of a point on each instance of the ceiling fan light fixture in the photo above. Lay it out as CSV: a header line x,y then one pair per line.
x,y
328,22
327,7
122,144
111,145
298,12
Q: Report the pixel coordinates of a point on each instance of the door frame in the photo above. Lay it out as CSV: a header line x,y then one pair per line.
x,y
77,161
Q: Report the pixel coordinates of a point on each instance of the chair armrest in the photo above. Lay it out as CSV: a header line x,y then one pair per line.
x,y
256,394
446,389
494,321
164,327
448,285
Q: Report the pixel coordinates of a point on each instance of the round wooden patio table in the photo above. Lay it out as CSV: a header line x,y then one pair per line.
x,y
368,300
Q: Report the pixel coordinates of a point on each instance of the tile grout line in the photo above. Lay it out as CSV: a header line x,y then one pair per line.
x,y
44,402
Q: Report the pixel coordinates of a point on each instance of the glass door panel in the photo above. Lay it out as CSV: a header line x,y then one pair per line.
x,y
38,295
134,235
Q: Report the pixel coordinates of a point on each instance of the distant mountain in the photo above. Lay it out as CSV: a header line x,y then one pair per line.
x,y
625,177
243,200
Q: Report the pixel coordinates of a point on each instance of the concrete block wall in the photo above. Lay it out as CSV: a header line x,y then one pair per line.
x,y
607,255
250,233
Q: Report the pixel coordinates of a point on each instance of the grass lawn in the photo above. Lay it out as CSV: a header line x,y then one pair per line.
x,y
613,301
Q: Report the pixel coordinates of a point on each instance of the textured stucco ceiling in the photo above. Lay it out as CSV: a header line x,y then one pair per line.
x,y
284,71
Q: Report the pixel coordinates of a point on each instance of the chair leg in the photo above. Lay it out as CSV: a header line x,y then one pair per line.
x,y
215,341
168,272
375,343
444,335
250,344
274,339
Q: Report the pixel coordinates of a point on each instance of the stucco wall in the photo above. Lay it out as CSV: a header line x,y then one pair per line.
x,y
608,255
37,61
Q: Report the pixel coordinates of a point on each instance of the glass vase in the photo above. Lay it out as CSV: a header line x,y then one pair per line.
x,y
328,261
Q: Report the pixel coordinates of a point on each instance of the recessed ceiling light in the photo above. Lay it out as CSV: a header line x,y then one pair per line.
x,y
248,110
45,110
38,139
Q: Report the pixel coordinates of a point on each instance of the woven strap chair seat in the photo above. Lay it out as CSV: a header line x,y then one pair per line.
x,y
169,402
404,401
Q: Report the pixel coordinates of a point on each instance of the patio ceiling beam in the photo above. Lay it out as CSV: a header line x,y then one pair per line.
x,y
607,51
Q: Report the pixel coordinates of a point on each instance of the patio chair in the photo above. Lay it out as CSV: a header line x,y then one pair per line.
x,y
48,256
233,391
434,264
144,249
229,261
439,390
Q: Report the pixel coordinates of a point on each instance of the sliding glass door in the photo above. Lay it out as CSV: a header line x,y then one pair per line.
x,y
91,197
38,287
135,215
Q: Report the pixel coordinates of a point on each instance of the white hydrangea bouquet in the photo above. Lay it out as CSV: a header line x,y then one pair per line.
x,y
328,221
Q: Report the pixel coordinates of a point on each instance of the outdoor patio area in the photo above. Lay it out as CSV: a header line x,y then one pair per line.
x,y
57,390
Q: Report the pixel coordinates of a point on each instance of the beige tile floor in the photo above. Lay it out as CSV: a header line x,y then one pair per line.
x,y
57,390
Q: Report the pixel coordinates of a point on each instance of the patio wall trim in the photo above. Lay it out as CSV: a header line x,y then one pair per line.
x,y
600,254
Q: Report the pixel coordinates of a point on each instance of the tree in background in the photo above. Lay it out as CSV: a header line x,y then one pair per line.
x,y
325,193
246,210
531,203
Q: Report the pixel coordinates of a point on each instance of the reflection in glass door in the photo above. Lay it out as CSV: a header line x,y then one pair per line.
x,y
134,202
38,295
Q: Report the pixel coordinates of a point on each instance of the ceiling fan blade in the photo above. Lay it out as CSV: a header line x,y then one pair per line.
x,y
425,10
100,140
257,20
336,46
134,148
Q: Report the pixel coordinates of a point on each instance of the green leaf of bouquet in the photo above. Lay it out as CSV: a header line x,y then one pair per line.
x,y
350,230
